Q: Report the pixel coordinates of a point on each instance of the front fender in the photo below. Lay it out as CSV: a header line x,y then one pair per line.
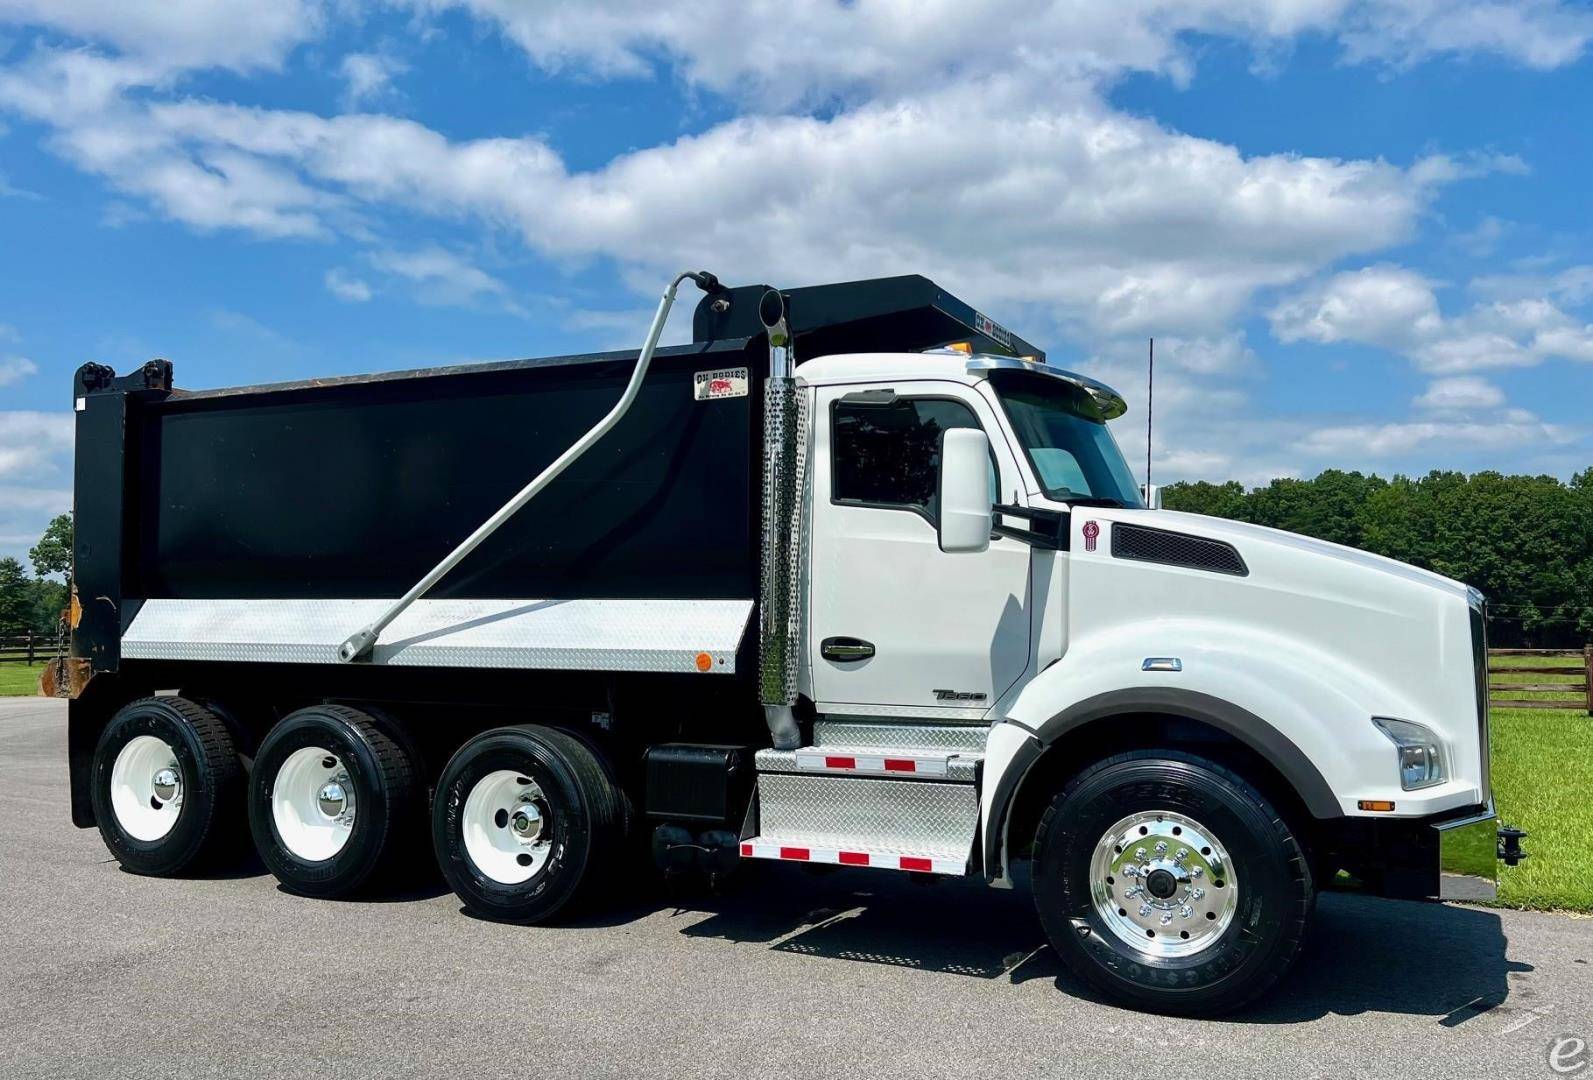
x,y
1301,708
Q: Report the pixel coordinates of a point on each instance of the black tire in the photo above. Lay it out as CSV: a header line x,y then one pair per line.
x,y
1274,894
587,816
208,824
388,832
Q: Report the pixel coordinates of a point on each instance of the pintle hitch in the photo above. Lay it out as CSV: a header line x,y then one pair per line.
x,y
1510,838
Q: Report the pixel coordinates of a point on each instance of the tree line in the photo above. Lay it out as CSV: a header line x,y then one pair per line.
x,y
1525,541
33,604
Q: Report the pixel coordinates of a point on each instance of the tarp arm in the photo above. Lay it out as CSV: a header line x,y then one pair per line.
x,y
360,643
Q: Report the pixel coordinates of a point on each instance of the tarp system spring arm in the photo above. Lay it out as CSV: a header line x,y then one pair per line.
x,y
360,643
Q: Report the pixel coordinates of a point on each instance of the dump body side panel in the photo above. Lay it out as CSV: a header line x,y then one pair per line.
x,y
354,490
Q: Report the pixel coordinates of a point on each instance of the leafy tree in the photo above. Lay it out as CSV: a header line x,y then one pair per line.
x,y
53,553
16,609
1215,500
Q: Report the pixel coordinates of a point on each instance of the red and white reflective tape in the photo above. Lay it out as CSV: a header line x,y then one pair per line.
x,y
880,860
820,761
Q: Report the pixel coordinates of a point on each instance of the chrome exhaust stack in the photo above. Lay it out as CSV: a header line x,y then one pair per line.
x,y
784,474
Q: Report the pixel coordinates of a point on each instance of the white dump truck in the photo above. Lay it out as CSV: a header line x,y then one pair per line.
x,y
854,578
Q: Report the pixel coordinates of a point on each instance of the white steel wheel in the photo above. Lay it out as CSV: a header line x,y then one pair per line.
x,y
507,827
146,788
312,804
1163,884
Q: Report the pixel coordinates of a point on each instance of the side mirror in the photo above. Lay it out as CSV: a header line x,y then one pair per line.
x,y
1152,494
965,496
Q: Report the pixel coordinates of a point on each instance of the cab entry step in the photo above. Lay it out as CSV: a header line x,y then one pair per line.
x,y
789,850
867,816
920,764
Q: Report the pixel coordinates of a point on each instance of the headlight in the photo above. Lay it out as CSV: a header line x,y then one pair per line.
x,y
1421,757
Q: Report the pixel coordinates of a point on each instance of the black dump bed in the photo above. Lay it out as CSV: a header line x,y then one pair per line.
x,y
354,488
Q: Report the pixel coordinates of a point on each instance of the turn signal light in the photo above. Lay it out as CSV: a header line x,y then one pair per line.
x,y
1381,806
962,347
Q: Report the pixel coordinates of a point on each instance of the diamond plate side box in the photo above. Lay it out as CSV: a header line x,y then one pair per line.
x,y
841,811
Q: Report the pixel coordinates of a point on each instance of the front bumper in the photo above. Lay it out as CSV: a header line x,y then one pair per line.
x,y
1470,849
1454,855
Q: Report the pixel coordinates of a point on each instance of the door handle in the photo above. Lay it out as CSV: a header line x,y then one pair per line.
x,y
845,649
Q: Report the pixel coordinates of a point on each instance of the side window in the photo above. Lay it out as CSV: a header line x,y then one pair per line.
x,y
888,454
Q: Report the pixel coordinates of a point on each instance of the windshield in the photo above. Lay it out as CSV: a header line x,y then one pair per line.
x,y
1066,440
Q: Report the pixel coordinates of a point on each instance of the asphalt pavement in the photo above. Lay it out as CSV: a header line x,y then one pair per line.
x,y
851,974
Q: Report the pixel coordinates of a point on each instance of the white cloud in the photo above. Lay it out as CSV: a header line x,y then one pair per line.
x,y
1394,308
1539,33
369,76
776,52
1110,222
238,34
1460,392
33,442
346,287
442,277
1359,442
1384,305
15,369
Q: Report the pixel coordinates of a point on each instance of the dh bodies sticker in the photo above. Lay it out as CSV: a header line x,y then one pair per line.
x,y
993,330
724,383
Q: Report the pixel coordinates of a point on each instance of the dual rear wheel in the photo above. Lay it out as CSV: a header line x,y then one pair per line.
x,y
526,820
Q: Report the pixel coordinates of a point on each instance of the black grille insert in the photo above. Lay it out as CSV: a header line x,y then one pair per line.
x,y
1176,549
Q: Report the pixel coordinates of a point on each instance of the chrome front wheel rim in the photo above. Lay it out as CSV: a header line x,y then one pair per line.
x,y
1163,884
312,804
507,827
146,788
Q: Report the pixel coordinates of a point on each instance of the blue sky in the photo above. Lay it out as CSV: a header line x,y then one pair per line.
x,y
1358,229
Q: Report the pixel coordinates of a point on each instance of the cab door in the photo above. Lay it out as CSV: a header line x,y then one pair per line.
x,y
898,626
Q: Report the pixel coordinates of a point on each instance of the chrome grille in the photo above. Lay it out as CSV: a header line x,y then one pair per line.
x,y
1479,663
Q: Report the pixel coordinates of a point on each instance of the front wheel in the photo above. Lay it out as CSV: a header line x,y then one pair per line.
x,y
1171,883
527,821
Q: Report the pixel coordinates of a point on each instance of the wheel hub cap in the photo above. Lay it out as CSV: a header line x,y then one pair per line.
x,y
507,827
332,799
166,785
312,804
146,788
1163,884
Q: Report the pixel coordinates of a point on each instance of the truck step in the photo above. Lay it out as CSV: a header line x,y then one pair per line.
x,y
797,849
842,811
920,764
909,733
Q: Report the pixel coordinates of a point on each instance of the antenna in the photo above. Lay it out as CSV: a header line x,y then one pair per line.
x,y
1150,397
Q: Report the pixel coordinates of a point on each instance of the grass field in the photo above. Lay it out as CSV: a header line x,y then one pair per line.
x,y
1542,779
18,680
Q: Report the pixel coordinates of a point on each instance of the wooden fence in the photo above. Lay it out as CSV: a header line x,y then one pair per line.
x,y
1571,663
26,649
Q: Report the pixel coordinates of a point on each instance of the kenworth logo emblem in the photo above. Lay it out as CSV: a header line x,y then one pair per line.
x,y
1091,531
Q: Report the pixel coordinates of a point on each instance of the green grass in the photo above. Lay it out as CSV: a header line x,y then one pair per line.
x,y
1542,777
19,680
